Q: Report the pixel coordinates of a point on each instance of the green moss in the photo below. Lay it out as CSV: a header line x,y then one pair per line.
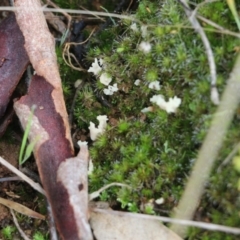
x,y
154,152
38,236
7,232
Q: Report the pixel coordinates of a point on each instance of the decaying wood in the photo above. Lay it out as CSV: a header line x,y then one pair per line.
x,y
73,175
50,125
13,59
51,149
40,47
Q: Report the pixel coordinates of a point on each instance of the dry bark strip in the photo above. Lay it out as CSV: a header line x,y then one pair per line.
x,y
52,149
13,59
50,121
73,175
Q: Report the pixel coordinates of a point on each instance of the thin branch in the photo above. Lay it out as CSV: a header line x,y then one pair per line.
x,y
36,186
229,157
222,30
9,179
84,12
104,14
23,235
69,18
97,193
196,25
203,3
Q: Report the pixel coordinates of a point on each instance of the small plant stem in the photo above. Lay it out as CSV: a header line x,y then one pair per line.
x,y
36,186
23,235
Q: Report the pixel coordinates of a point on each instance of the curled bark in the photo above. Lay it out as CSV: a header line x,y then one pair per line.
x,y
50,122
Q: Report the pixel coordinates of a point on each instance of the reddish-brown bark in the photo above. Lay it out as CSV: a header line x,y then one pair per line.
x,y
50,125
13,59
52,149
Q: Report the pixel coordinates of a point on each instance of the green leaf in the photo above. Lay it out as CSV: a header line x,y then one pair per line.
x,y
25,136
236,163
29,149
232,6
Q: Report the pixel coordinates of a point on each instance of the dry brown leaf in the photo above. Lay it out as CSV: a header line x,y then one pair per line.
x,y
21,209
118,227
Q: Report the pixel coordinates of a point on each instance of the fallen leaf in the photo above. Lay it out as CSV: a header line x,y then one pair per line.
x,y
118,227
21,209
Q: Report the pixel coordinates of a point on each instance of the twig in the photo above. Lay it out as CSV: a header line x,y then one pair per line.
x,y
8,179
196,25
229,157
104,14
203,3
92,14
23,235
222,30
69,18
208,226
30,174
209,150
36,186
97,193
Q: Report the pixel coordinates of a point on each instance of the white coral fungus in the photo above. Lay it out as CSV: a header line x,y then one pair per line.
x,y
90,167
111,89
170,106
137,82
144,30
154,85
102,121
105,79
159,100
147,109
145,47
96,68
80,143
134,27
77,83
159,201
173,104
96,131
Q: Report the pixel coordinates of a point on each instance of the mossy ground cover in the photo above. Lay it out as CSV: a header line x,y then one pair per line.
x,y
153,152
